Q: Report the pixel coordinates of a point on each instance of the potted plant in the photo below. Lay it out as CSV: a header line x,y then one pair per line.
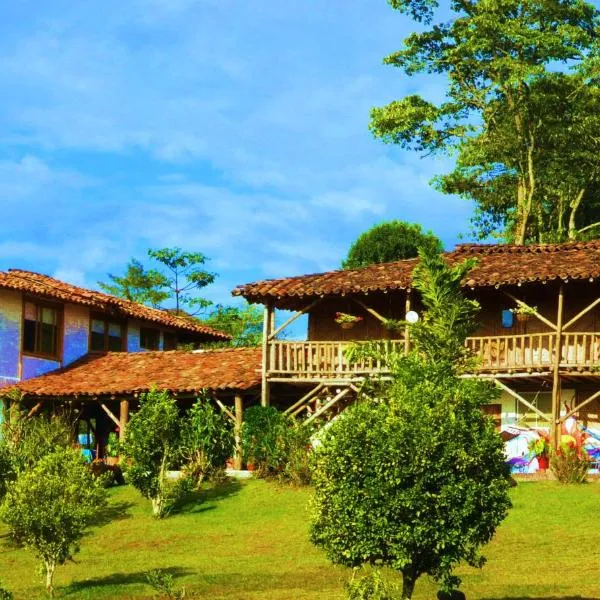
x,y
112,449
523,312
346,321
541,448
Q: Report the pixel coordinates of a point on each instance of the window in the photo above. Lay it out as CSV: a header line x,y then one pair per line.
x,y
106,335
169,341
508,318
149,338
40,329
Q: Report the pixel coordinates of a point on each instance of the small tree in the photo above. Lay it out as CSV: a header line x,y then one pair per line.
x,y
151,448
415,480
386,242
185,278
207,440
244,324
49,507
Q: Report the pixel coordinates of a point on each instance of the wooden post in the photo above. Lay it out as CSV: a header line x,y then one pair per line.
x,y
239,419
265,398
556,387
123,419
406,329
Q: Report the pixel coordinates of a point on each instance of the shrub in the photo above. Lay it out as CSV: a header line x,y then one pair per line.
x,y
7,473
207,441
49,507
5,594
152,447
570,464
164,584
30,439
276,444
371,587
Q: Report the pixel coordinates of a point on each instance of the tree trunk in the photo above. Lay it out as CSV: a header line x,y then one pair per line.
x,y
50,568
408,584
575,204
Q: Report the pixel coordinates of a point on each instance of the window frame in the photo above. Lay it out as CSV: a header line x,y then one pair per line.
x,y
106,320
170,335
158,335
41,303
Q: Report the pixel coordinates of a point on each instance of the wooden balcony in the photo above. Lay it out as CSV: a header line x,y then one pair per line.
x,y
318,361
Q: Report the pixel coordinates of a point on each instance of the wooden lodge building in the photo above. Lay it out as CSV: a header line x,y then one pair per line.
x,y
545,356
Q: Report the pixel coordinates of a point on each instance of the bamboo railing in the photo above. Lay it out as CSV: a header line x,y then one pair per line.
x,y
331,360
327,359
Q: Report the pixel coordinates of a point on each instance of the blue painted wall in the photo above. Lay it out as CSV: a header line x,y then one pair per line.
x,y
10,336
77,328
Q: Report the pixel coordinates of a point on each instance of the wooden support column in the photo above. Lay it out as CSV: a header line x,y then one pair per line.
x,y
123,419
239,419
556,387
268,319
406,328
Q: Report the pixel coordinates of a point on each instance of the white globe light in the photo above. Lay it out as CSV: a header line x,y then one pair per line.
x,y
412,316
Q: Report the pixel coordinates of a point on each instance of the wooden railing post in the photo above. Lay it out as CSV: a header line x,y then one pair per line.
x,y
406,327
239,419
123,419
268,319
556,388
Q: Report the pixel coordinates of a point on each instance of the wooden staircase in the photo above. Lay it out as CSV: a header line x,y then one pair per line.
x,y
322,403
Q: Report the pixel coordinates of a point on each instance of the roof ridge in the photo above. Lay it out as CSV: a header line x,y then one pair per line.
x,y
474,248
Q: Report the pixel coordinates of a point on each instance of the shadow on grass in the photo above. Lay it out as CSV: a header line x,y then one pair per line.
x,y
542,598
114,511
203,500
118,579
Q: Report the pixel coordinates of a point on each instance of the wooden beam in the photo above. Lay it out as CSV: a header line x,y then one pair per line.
x,y
327,406
580,406
265,396
406,327
304,399
35,409
123,418
295,316
556,387
239,419
110,414
582,313
520,398
225,410
369,310
533,311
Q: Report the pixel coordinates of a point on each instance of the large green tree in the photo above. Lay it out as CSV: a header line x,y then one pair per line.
x,y
243,323
386,242
412,476
501,59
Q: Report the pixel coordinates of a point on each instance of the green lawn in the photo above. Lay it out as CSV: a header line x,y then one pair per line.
x,y
250,541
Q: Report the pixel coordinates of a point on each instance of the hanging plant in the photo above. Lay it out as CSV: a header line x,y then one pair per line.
x,y
393,324
346,321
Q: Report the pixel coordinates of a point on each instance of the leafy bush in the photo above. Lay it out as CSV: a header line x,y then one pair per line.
x,y
570,464
7,472
5,594
207,441
152,447
371,587
49,507
276,444
164,584
107,475
30,439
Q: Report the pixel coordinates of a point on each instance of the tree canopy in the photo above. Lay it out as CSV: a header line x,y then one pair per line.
x,y
386,242
519,111
412,476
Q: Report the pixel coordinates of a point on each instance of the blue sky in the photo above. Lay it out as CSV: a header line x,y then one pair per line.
x,y
238,129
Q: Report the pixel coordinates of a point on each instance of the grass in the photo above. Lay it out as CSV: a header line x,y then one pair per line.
x,y
249,541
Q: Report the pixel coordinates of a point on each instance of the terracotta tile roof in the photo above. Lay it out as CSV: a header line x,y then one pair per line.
x,y
122,373
498,265
43,285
